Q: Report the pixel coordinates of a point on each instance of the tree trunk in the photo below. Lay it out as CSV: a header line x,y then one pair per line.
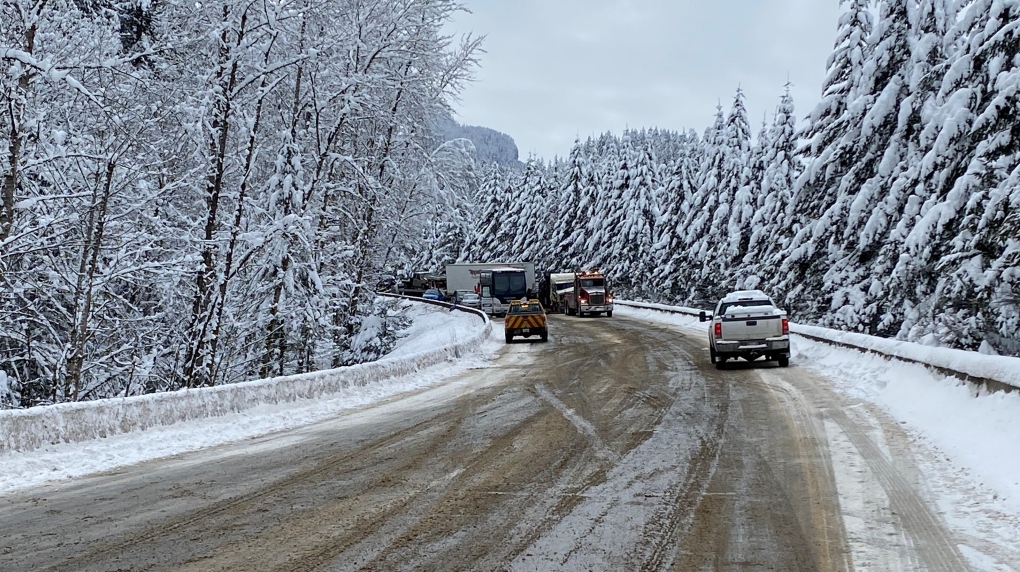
x,y
17,112
368,231
198,360
88,267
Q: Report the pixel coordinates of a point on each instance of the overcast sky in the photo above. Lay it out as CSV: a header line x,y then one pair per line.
x,y
557,69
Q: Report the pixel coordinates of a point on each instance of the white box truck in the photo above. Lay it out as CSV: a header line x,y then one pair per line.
x,y
560,284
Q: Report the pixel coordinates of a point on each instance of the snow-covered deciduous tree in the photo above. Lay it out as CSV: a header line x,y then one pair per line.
x,y
201,193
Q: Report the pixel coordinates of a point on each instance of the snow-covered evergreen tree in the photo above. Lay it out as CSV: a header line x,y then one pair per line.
x,y
602,249
964,233
675,204
568,227
636,233
835,129
896,200
717,240
773,225
704,202
489,205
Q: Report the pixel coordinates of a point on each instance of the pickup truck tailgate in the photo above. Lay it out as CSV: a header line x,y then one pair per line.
x,y
751,325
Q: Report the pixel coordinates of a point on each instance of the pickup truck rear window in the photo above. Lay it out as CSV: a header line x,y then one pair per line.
x,y
744,304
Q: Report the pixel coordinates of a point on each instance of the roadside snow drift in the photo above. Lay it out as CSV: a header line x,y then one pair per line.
x,y
964,364
437,336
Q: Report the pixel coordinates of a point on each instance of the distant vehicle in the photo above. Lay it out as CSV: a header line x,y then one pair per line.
x,y
500,286
749,325
559,285
434,294
511,281
419,282
526,319
471,300
589,295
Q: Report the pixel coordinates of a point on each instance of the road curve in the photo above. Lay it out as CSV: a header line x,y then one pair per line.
x,y
615,446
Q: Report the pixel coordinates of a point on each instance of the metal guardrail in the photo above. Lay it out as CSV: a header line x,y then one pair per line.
x,y
448,305
30,429
988,384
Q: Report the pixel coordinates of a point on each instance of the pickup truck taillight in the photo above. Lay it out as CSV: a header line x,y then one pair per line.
x,y
718,330
786,326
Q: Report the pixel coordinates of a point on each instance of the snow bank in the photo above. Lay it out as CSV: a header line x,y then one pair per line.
x,y
29,429
995,373
990,371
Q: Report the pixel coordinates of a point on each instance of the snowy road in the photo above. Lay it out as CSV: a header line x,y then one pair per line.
x,y
616,446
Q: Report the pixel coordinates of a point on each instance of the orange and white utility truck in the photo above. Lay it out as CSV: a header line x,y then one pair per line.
x,y
525,319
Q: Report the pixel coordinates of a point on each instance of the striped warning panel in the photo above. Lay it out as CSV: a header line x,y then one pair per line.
x,y
526,321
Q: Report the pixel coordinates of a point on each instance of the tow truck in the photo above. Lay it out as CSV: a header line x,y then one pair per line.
x,y
525,318
590,295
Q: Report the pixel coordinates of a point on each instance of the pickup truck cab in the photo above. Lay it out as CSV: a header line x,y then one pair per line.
x,y
748,324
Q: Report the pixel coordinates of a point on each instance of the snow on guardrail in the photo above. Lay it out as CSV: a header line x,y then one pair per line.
x,y
994,373
29,429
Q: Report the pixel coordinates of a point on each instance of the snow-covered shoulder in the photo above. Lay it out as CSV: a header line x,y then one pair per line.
x,y
677,315
432,331
434,327
964,441
1004,369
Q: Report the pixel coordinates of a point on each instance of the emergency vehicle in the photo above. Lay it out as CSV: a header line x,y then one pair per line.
x,y
525,319
589,296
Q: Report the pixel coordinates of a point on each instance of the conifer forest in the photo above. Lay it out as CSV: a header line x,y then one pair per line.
x,y
892,208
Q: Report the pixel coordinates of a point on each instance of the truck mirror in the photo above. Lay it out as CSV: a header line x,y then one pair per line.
x,y
701,316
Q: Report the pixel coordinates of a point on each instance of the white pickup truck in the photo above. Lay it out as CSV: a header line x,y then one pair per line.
x,y
749,325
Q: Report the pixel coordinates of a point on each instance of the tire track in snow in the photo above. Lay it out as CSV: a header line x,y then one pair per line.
x,y
935,547
582,425
923,533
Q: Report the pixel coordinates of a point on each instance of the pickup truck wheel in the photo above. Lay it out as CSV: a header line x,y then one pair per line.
x,y
720,363
609,314
784,362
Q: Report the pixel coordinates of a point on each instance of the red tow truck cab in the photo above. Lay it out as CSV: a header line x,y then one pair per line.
x,y
590,295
